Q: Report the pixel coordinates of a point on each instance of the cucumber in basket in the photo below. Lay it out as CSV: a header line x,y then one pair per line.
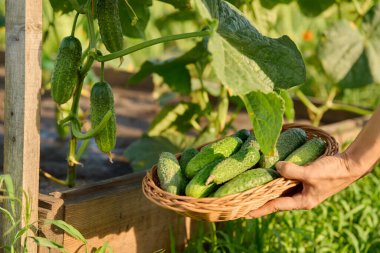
x,y
220,149
186,156
308,152
197,187
288,141
246,180
170,175
244,159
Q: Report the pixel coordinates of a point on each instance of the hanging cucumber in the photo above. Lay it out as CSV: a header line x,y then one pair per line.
x,y
101,102
66,70
110,24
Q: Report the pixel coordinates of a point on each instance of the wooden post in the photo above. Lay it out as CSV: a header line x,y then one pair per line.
x,y
22,104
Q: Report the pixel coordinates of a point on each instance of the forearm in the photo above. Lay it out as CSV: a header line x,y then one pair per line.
x,y
364,152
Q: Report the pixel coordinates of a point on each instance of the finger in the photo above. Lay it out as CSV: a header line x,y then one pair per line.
x,y
279,204
291,170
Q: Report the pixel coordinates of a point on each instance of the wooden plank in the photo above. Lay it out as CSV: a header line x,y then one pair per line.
x,y
117,212
50,208
22,100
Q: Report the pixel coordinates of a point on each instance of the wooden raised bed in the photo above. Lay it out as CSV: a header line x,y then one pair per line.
x,y
113,211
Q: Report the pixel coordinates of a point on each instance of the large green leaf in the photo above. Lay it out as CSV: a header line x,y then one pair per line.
x,y
359,75
265,112
339,49
174,71
131,26
176,76
144,153
288,105
371,26
313,8
245,60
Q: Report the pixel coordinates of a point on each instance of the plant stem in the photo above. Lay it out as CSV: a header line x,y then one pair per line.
x,y
306,101
71,159
82,149
150,43
75,128
222,109
350,108
77,6
325,107
102,72
53,178
91,29
74,24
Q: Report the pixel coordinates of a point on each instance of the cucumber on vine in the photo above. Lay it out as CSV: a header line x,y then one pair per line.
x,y
110,24
102,102
66,70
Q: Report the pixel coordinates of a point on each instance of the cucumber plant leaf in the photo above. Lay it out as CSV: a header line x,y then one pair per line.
x,y
245,60
174,71
176,76
134,22
265,112
359,75
288,105
144,153
351,58
339,49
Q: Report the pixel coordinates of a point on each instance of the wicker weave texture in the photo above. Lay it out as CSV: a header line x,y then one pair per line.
x,y
234,206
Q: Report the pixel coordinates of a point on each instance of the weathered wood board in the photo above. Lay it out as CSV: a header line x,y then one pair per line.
x,y
114,211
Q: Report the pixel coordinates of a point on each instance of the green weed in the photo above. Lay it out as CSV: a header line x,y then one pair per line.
x,y
347,222
17,232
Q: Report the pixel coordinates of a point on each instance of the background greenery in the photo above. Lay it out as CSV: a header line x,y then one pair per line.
x,y
348,222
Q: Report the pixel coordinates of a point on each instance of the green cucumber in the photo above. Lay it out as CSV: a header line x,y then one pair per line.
x,y
244,159
247,180
243,134
197,187
169,174
186,156
288,141
66,70
102,101
308,152
110,25
220,149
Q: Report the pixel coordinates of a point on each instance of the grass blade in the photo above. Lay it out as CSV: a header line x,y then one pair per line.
x,y
68,229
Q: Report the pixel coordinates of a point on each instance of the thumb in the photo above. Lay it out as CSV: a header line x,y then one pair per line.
x,y
291,170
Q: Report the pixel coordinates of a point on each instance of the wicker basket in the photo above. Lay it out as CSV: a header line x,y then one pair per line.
x,y
232,206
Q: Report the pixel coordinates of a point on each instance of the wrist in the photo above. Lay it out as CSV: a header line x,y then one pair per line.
x,y
355,164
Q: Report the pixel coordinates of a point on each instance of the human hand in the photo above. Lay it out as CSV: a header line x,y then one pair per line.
x,y
320,180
